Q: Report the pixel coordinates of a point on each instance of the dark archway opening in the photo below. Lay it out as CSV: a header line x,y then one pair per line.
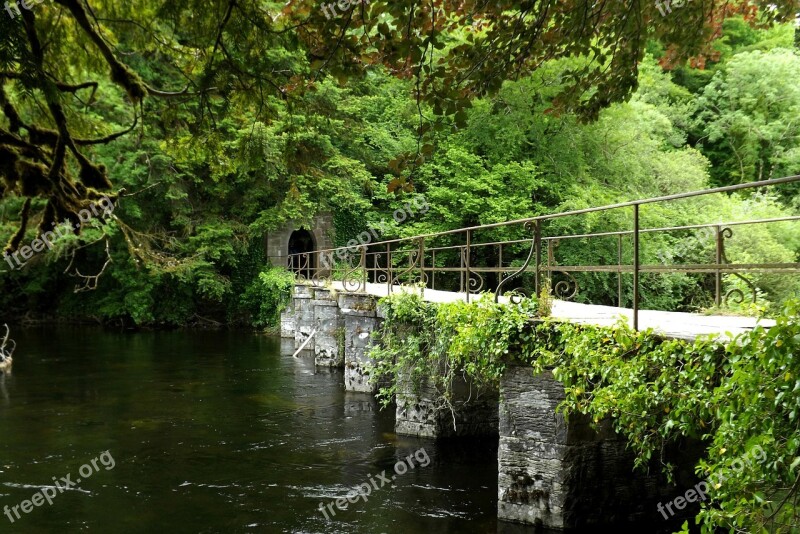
x,y
301,259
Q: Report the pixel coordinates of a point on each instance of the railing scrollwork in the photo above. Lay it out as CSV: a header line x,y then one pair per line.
x,y
464,261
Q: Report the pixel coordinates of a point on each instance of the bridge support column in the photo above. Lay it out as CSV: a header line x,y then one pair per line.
x,y
303,313
329,339
360,319
470,413
288,321
564,474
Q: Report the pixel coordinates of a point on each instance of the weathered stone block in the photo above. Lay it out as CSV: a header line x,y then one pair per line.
x,y
288,322
329,339
565,474
324,295
302,291
420,412
360,321
357,302
358,340
304,320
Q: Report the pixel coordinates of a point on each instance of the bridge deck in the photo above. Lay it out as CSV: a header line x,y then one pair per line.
x,y
670,324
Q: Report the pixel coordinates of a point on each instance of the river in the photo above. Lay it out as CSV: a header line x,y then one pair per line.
x,y
217,432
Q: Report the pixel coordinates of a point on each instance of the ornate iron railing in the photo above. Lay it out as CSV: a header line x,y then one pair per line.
x,y
474,260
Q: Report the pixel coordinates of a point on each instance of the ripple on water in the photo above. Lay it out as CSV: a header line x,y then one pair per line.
x,y
218,432
40,488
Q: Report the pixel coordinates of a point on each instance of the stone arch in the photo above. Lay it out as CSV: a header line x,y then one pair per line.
x,y
302,241
277,242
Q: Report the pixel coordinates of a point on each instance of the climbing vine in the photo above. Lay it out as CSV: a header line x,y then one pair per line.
x,y
431,344
731,396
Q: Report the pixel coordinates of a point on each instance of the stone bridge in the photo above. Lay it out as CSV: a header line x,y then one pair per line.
x,y
552,472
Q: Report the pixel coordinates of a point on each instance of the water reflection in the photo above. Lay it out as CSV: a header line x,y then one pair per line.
x,y
3,389
219,432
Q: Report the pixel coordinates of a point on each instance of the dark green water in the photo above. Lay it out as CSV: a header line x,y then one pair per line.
x,y
216,432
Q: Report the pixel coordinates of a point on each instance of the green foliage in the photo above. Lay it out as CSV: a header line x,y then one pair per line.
x,y
454,54
545,308
732,396
758,404
432,344
747,115
268,296
205,177
514,160
347,225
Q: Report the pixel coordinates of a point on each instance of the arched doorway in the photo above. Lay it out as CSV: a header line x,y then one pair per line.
x,y
301,259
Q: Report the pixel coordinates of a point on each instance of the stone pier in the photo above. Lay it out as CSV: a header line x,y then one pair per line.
x,y
301,316
564,474
470,413
360,320
344,323
329,339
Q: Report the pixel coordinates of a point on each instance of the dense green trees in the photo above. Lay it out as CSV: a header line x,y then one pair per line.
x,y
262,134
68,64
748,114
514,160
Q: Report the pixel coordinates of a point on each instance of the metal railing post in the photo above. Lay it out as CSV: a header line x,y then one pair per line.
x,y
636,266
364,272
619,271
433,270
718,273
461,270
422,262
537,243
469,239
551,261
500,263
389,276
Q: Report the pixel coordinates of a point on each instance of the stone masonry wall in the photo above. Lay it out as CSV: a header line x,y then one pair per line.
x,y
360,321
276,243
344,323
288,321
565,474
470,413
303,315
329,339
